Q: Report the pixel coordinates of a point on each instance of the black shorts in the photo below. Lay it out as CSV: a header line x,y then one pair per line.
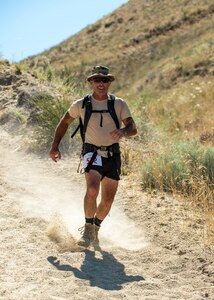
x,y
111,167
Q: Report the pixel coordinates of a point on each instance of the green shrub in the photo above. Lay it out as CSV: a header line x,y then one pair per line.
x,y
181,167
208,164
13,115
4,61
94,27
46,115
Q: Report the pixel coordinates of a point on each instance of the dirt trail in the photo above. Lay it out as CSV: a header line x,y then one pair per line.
x,y
151,248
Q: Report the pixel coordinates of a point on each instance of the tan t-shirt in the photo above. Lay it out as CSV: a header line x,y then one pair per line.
x,y
95,134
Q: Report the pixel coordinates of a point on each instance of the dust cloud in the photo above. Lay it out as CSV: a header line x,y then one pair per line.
x,y
48,190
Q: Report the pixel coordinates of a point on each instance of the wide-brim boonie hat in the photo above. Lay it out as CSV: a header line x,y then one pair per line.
x,y
100,71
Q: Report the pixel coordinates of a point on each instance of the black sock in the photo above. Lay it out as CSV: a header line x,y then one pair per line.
x,y
89,220
97,221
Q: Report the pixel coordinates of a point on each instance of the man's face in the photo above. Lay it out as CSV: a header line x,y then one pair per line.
x,y
100,85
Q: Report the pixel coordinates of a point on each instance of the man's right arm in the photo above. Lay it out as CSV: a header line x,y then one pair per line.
x,y
60,131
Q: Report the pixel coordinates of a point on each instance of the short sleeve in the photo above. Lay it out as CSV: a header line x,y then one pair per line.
x,y
122,109
74,110
125,111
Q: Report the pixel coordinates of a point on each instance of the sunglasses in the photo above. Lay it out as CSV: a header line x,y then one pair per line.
x,y
99,79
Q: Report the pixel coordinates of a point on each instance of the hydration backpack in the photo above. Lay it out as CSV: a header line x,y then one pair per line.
x,y
89,110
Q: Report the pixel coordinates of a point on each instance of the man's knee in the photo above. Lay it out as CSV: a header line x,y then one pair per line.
x,y
107,201
92,191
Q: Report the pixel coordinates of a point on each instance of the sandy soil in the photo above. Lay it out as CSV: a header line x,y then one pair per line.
x,y
152,248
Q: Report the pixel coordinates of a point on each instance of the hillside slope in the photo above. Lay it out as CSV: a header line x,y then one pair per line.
x,y
146,43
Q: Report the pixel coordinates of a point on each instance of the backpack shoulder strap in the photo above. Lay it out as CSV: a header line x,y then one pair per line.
x,y
112,111
82,125
88,111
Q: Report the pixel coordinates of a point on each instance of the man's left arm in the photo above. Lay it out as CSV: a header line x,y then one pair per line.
x,y
129,129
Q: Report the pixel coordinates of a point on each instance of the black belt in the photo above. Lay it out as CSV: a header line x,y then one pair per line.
x,y
114,148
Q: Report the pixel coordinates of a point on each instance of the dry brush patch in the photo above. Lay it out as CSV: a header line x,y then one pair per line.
x,y
186,169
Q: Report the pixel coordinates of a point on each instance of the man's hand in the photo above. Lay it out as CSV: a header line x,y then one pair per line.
x,y
117,134
55,154
128,130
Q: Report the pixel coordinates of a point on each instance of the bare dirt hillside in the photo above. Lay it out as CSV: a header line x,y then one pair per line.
x,y
151,248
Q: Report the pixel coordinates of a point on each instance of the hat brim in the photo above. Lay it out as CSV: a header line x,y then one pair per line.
x,y
110,76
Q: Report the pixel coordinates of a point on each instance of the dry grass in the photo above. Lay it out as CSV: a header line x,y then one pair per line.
x,y
186,109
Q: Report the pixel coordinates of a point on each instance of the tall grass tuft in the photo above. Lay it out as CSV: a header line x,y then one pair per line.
x,y
46,115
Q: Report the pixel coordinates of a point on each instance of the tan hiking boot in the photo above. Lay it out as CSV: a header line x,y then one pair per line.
x,y
88,235
97,228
